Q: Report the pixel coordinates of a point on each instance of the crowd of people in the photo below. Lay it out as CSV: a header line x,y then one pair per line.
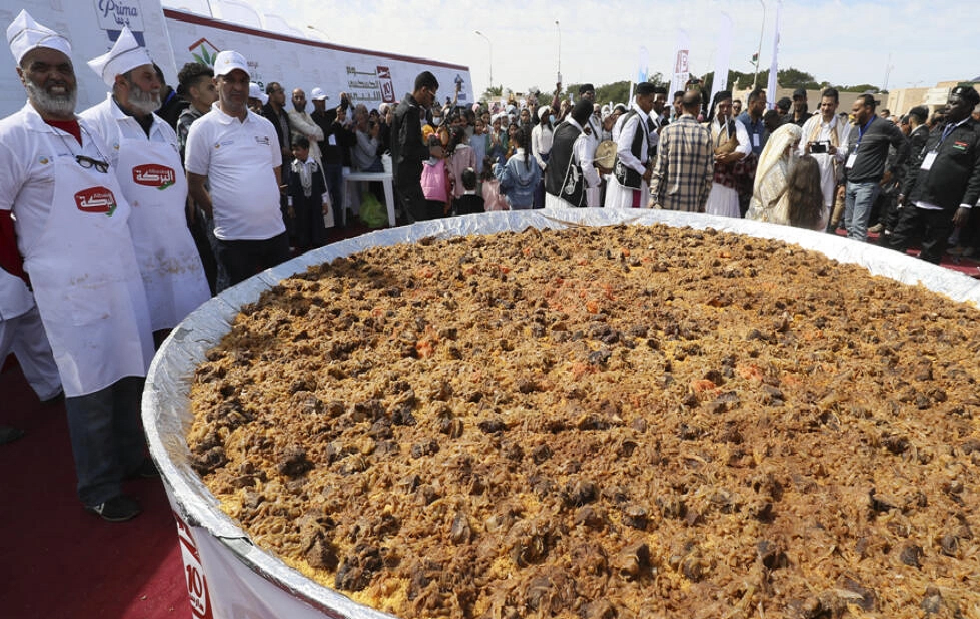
x,y
862,170
118,221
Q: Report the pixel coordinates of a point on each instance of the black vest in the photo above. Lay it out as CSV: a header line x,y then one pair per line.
x,y
564,177
625,175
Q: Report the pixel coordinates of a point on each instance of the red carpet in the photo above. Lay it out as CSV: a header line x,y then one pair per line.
x,y
969,266
57,560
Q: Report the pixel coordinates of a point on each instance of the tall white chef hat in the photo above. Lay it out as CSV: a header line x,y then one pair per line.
x,y
25,34
124,56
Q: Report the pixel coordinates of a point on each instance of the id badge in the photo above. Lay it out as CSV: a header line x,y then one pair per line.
x,y
850,160
755,140
927,162
332,140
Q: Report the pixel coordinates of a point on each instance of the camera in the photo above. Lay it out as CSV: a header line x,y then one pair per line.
x,y
819,147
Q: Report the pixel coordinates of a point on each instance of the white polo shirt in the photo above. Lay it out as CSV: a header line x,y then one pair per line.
x,y
239,158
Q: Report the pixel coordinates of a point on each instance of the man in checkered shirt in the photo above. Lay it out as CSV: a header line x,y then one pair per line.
x,y
685,162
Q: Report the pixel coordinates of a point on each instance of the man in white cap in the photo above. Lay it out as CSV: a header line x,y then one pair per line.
x,y
145,156
237,152
256,98
71,227
332,144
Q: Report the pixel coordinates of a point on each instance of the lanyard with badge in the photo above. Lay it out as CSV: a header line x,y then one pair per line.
x,y
853,156
930,157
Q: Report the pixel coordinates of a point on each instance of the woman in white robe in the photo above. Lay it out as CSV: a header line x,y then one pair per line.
x,y
770,196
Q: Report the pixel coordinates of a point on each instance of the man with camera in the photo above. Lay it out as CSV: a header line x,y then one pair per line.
x,y
825,138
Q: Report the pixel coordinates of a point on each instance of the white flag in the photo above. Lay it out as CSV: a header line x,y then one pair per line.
x,y
681,70
642,68
774,68
723,56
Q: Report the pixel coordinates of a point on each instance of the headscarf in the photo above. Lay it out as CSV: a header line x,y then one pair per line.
x,y
769,196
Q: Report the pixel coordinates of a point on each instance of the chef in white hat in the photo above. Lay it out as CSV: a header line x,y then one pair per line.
x,y
72,232
145,157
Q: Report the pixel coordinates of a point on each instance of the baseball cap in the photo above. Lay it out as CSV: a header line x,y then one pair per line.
x,y
255,92
229,60
317,94
799,92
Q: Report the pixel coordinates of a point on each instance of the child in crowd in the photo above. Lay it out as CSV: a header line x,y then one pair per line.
x,y
459,157
308,199
498,139
493,200
436,183
520,176
478,142
469,202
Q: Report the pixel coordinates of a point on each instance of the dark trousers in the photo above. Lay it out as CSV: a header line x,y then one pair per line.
x,y
412,201
243,259
932,227
202,231
106,438
308,212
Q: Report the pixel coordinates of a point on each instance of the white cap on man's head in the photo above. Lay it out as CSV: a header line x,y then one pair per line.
x,y
25,34
229,60
126,54
317,94
255,92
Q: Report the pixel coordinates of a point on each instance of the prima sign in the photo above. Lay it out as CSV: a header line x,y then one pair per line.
x,y
113,15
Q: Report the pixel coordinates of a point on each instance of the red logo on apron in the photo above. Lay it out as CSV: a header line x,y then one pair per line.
x,y
387,88
96,200
153,175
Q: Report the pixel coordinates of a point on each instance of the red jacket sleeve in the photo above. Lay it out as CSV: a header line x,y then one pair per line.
x,y
10,259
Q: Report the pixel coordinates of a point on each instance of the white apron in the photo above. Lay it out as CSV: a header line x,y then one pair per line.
x,y
154,185
86,283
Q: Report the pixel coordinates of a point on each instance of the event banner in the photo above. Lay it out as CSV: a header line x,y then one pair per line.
x,y
681,71
368,77
91,26
176,37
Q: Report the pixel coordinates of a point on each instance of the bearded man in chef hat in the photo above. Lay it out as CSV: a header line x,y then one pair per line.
x,y
72,232
145,156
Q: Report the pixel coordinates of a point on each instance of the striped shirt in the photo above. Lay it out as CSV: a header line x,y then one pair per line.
x,y
685,165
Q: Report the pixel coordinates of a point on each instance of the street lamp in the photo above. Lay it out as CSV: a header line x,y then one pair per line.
x,y
558,26
490,45
758,53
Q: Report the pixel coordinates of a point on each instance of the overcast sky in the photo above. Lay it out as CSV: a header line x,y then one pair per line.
x,y
840,41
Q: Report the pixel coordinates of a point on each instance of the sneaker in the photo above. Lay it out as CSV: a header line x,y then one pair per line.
x,y
145,470
876,229
118,509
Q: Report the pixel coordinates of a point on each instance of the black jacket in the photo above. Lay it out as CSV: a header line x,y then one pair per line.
x,y
563,177
285,138
872,153
171,108
407,150
954,177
